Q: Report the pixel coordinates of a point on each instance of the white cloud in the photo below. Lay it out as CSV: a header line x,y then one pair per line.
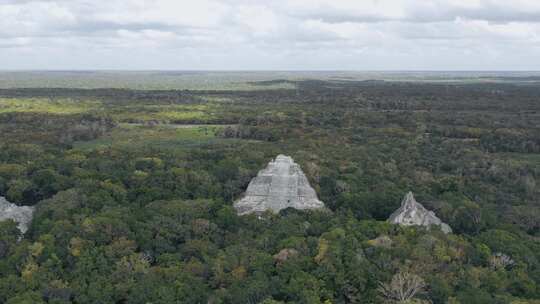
x,y
278,34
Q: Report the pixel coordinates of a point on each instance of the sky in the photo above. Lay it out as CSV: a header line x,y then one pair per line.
x,y
270,35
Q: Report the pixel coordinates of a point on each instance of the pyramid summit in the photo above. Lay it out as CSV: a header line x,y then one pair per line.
x,y
412,213
21,215
282,184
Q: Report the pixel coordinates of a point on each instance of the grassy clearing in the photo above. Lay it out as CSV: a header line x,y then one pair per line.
x,y
532,159
163,113
131,113
136,137
43,105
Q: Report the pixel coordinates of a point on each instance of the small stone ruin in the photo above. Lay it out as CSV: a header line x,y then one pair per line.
x,y
22,215
412,213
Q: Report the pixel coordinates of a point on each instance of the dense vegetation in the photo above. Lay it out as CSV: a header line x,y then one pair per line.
x,y
134,193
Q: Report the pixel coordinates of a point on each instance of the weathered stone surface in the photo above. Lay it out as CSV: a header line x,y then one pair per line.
x,y
22,215
381,241
412,213
280,185
500,260
285,254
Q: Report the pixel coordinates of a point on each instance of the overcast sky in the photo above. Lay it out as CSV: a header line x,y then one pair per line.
x,y
270,34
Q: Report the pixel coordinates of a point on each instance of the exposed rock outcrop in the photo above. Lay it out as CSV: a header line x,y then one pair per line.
x,y
412,213
500,260
285,254
280,185
21,215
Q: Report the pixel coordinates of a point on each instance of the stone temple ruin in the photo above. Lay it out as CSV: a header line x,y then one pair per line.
x,y
21,215
280,185
412,213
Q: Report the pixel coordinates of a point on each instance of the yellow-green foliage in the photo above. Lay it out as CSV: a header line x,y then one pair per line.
x,y
12,170
43,105
122,113
163,113
322,249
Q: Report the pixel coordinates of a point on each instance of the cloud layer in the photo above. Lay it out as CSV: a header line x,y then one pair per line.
x,y
277,34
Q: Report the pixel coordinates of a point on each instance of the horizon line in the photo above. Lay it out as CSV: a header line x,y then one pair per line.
x,y
269,70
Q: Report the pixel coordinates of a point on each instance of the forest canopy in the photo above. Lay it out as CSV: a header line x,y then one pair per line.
x,y
133,191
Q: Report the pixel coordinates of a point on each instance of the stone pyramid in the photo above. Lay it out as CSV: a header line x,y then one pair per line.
x,y
280,185
21,215
412,213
